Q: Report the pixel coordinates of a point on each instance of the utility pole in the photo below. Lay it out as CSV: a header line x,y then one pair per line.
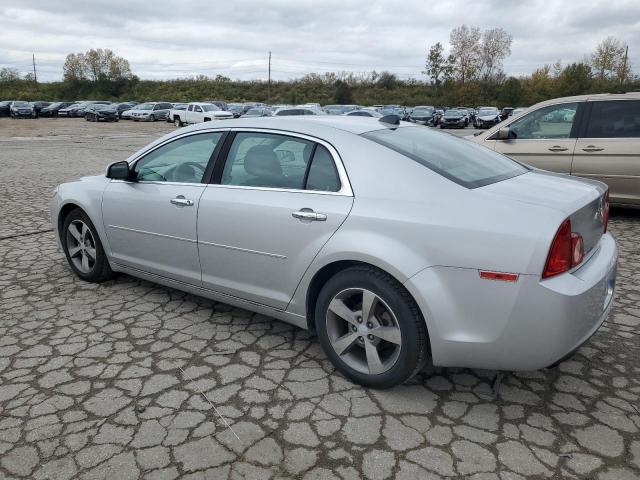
x,y
624,66
35,76
269,80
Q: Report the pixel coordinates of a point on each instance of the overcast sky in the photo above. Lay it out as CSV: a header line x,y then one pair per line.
x,y
169,38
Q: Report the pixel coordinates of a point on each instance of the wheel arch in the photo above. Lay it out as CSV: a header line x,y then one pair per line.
x,y
328,271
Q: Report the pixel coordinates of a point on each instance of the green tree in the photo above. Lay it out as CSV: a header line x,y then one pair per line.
x,y
608,62
438,67
575,79
343,93
511,94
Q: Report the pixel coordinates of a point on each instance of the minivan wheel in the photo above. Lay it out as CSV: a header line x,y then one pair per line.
x,y
371,328
83,248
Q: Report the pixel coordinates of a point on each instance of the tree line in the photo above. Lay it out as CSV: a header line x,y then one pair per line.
x,y
468,71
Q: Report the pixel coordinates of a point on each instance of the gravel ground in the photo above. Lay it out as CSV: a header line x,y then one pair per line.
x,y
128,380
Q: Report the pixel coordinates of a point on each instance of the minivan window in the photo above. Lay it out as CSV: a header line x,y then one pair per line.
x,y
614,119
553,121
459,160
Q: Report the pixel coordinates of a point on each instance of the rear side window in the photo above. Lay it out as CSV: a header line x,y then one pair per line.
x,y
459,160
322,172
614,119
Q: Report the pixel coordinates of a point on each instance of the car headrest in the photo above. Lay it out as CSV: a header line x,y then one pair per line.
x,y
261,161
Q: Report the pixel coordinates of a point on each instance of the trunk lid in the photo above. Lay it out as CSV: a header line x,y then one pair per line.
x,y
581,200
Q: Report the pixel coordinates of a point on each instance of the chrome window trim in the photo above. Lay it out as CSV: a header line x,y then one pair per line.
x,y
345,185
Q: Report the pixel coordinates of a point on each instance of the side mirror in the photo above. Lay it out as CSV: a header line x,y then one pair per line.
x,y
119,171
504,133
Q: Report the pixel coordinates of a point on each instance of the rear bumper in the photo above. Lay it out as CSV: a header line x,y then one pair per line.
x,y
526,325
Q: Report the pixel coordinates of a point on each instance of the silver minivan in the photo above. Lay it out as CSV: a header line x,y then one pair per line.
x,y
593,136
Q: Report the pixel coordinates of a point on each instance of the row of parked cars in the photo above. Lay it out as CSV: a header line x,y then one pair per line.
x,y
196,112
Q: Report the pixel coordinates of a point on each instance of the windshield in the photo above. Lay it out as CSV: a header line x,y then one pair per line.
x,y
423,110
145,106
21,104
459,160
453,113
254,112
100,106
209,108
488,111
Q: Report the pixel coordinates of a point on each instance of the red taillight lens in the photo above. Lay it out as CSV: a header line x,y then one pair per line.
x,y
559,259
606,211
566,252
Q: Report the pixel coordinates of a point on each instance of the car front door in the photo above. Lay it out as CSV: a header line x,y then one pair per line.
x,y
609,148
151,222
544,138
271,207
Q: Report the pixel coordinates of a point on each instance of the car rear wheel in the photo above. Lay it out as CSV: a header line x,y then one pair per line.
x,y
370,328
83,248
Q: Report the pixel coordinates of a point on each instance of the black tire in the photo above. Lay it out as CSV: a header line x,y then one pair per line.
x,y
152,118
415,349
101,269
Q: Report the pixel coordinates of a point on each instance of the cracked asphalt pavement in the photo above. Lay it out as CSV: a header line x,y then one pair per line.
x,y
128,379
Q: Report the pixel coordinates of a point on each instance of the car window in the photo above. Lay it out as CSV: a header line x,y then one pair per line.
x,y
614,119
197,109
267,160
461,161
190,108
554,121
322,172
183,160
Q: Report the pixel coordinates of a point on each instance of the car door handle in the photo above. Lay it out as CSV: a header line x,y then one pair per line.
x,y
592,148
310,215
558,148
181,201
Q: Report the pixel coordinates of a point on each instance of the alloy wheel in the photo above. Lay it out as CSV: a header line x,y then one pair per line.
x,y
81,246
363,331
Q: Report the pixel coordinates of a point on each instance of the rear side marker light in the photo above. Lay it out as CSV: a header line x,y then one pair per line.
x,y
501,276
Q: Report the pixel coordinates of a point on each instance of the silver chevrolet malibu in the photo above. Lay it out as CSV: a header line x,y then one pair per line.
x,y
396,244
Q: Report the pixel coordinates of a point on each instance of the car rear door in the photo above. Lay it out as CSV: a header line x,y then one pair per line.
x,y
544,138
609,148
151,222
274,202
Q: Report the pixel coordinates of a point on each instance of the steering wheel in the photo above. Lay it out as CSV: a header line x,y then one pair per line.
x,y
188,171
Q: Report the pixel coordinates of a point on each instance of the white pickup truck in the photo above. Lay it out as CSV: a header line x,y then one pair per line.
x,y
198,112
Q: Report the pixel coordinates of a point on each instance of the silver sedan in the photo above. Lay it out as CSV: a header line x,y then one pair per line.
x,y
396,244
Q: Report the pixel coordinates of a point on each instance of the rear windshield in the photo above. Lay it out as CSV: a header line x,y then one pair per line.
x,y
459,160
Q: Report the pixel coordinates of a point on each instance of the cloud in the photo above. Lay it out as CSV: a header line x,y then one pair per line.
x,y
168,39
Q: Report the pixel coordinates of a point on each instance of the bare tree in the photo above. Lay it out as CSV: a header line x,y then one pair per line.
x,y
495,46
466,52
96,64
608,61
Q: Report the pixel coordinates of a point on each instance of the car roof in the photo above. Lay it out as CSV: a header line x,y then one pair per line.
x,y
591,97
310,125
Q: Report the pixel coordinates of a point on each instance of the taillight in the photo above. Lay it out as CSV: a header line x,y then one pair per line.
x,y
566,252
606,211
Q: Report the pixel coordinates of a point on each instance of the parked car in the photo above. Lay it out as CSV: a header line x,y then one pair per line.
x,y
98,112
149,112
518,111
177,108
122,107
365,112
288,111
53,109
487,117
506,112
21,109
198,112
287,221
334,109
591,136
454,118
70,110
424,115
220,104
238,109
5,108
39,105
258,112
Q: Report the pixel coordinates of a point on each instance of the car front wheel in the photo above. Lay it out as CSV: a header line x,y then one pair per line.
x,y
83,248
371,328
